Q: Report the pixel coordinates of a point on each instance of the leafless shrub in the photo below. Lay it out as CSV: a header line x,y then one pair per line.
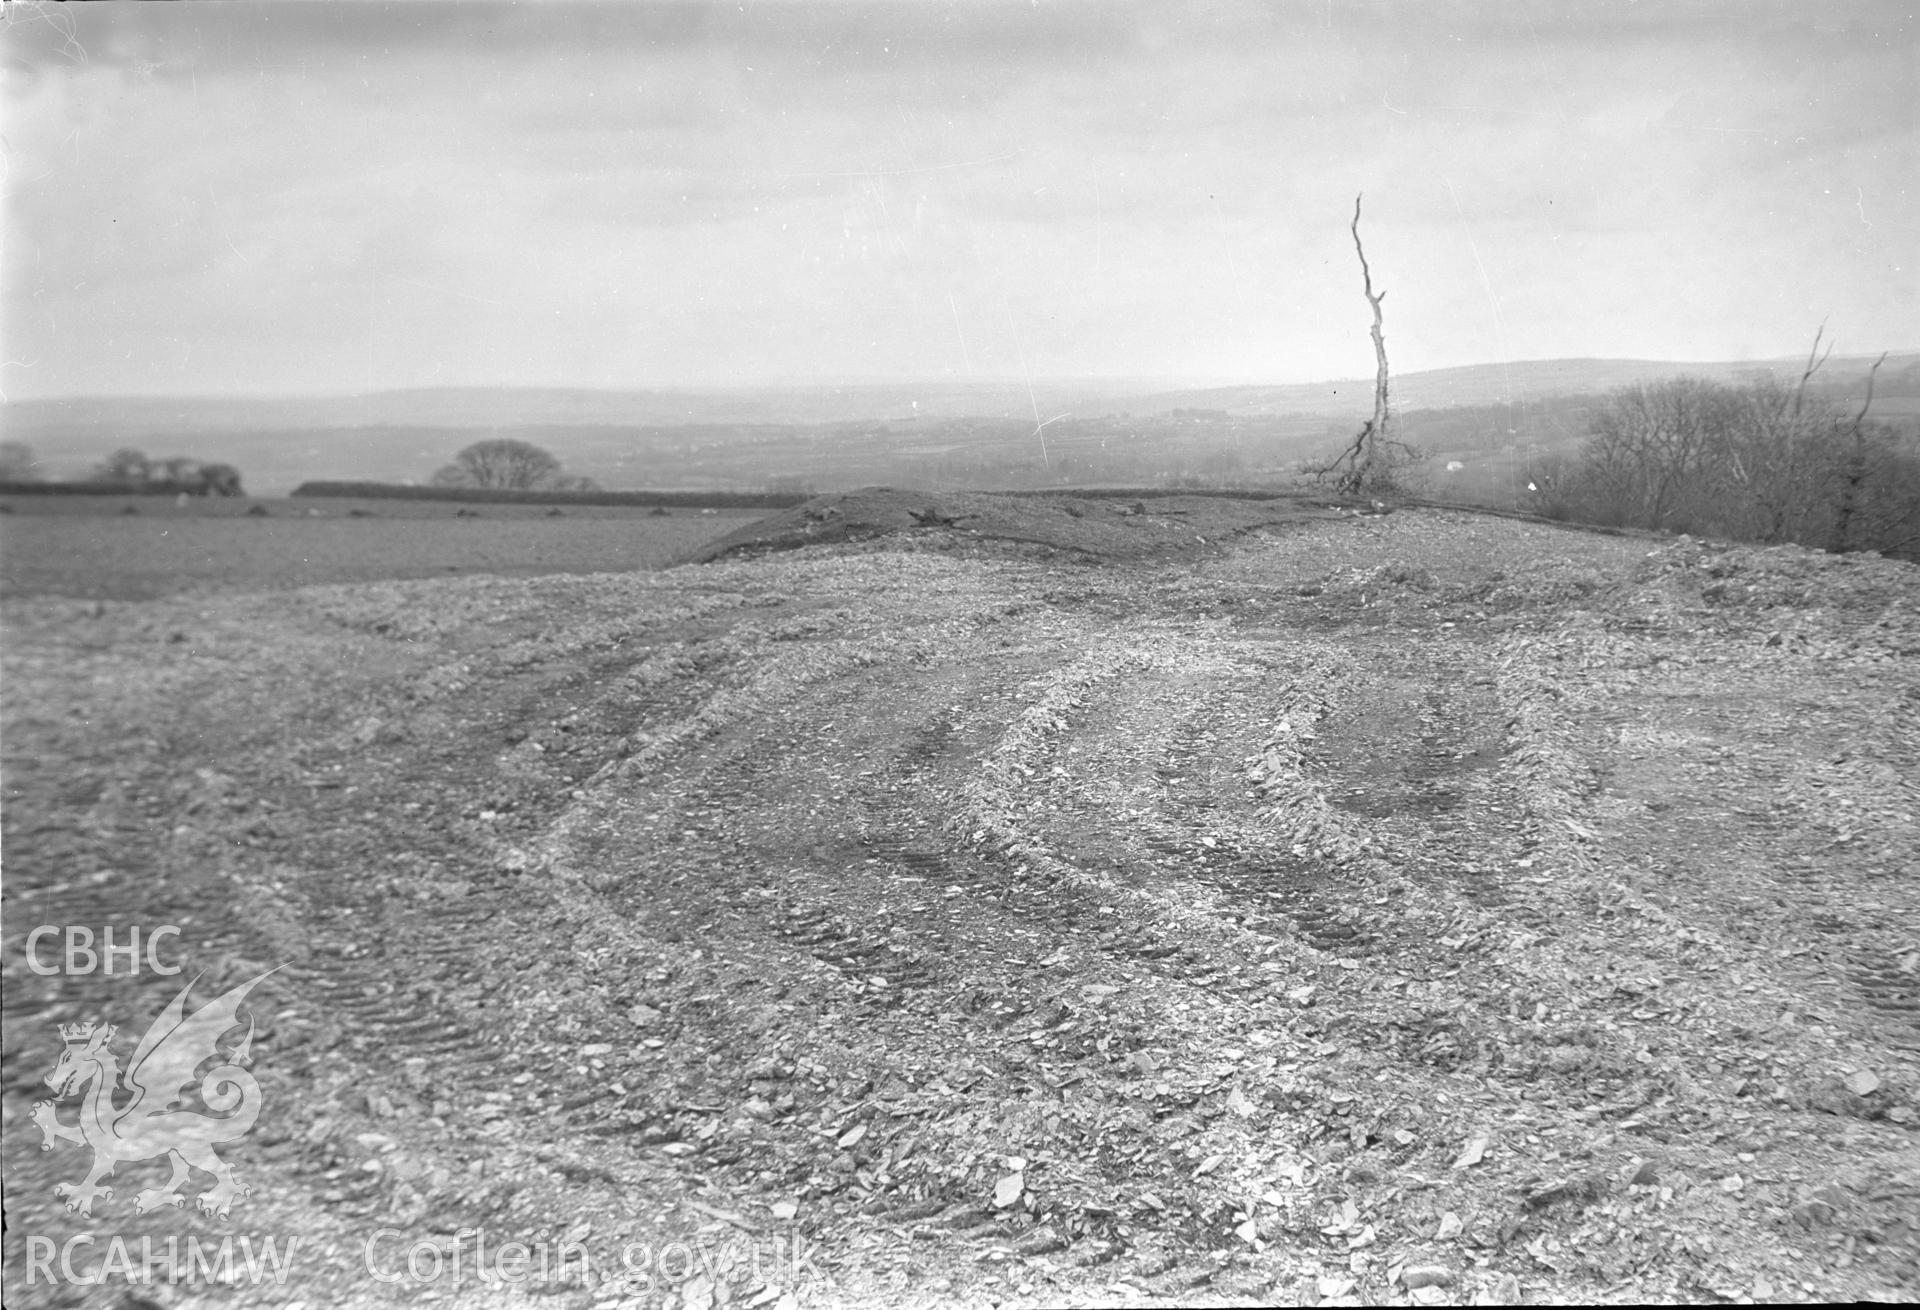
x,y
1759,460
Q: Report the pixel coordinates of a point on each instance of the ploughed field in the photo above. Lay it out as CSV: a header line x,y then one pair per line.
x,y
141,547
1419,908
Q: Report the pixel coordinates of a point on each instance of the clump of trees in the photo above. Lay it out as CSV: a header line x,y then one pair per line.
x,y
126,471
131,470
18,463
504,464
1760,460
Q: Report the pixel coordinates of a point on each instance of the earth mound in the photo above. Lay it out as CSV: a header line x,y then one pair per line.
x,y
1096,525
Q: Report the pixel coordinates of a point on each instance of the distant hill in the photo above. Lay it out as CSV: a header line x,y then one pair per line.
x,y
488,407
658,435
1494,384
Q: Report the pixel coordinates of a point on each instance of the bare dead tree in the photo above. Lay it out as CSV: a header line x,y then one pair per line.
x,y
1775,457
1854,469
1814,360
1374,459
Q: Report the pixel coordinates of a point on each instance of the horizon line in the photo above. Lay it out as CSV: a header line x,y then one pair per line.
x,y
1146,385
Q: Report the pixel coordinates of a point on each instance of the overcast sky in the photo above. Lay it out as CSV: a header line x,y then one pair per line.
x,y
335,197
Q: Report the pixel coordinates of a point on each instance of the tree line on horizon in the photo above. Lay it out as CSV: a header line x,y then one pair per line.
x,y
127,471
1758,460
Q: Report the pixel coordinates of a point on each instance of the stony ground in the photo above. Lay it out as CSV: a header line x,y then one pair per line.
x,y
1369,910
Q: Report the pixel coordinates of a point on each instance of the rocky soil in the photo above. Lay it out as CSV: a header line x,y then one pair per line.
x,y
1297,908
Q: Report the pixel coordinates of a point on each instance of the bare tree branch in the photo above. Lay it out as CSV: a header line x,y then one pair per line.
x,y
1814,360
1867,404
1374,458
1854,471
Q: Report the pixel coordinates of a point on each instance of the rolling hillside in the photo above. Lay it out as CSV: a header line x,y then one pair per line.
x,y
820,433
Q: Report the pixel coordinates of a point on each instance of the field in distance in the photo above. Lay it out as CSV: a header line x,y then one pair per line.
x,y
141,547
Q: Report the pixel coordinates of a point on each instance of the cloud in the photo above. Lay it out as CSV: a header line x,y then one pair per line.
x,y
328,196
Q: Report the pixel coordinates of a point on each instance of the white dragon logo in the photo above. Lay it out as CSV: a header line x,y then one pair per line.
x,y
148,1125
